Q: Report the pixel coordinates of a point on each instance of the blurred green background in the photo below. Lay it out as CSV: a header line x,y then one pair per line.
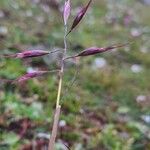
x,y
107,107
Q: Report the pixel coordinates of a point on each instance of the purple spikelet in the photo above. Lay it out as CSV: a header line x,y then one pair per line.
x,y
79,16
28,54
67,10
96,50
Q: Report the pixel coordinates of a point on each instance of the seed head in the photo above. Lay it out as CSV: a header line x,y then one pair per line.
x,y
28,54
79,16
30,75
96,50
67,10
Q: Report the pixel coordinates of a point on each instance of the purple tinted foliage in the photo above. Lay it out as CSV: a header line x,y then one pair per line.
x,y
79,16
67,10
27,54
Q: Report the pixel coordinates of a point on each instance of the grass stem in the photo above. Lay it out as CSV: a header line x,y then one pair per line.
x,y
58,106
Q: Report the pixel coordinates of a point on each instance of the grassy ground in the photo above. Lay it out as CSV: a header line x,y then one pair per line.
x,y
107,108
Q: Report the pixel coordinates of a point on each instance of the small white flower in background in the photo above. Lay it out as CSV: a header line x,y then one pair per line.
x,y
146,118
14,5
3,30
81,111
43,135
37,106
136,68
141,98
40,19
123,110
29,13
136,32
62,123
144,49
127,49
99,63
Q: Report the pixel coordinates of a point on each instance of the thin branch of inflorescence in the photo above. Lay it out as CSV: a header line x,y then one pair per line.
x,y
71,83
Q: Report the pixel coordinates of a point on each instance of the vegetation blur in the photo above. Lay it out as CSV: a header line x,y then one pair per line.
x,y
108,105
